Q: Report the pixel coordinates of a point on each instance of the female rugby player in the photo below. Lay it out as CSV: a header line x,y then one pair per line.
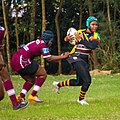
x,y
34,75
5,79
87,40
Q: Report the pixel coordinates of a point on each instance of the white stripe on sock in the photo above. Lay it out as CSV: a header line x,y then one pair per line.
x,y
36,87
24,91
11,92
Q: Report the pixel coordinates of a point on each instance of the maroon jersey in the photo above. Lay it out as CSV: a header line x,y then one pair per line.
x,y
25,55
2,31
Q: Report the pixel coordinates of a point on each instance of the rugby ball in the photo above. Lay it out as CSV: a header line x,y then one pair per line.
x,y
71,31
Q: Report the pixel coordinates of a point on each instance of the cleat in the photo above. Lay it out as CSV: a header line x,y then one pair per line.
x,y
34,99
57,87
20,100
20,106
82,102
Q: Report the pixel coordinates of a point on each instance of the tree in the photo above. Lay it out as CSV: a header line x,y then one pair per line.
x,y
32,24
43,16
109,20
81,5
73,14
7,34
58,35
16,25
43,28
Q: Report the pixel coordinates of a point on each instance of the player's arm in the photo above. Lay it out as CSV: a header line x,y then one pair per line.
x,y
54,58
89,43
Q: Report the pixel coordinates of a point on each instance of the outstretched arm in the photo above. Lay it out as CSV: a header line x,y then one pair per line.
x,y
53,58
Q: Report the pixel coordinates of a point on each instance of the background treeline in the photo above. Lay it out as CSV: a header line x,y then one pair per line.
x,y
58,16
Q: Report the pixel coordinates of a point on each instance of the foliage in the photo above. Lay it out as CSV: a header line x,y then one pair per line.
x,y
109,48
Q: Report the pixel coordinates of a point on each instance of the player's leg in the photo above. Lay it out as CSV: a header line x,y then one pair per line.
x,y
33,75
7,83
1,90
28,74
39,80
71,82
83,78
28,84
83,69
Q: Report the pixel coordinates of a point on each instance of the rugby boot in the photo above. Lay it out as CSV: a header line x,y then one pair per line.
x,y
57,87
20,100
21,106
82,102
34,99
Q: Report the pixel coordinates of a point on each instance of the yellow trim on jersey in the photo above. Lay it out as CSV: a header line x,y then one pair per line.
x,y
73,50
82,32
95,35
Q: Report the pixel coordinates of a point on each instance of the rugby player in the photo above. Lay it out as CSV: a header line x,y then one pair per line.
x,y
5,80
34,75
87,40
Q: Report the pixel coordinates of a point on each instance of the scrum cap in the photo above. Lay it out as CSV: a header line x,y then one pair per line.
x,y
89,20
47,36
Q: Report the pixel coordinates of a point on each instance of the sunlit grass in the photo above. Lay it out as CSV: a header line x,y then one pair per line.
x,y
103,97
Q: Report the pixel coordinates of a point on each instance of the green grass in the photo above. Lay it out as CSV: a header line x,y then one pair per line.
x,y
103,97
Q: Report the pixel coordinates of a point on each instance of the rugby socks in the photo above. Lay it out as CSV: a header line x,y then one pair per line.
x,y
82,95
26,87
11,92
38,83
64,83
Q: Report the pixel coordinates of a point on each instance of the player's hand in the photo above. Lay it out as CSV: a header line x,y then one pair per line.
x,y
68,38
78,36
66,54
92,38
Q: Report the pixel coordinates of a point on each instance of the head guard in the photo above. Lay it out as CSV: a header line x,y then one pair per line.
x,y
47,36
89,20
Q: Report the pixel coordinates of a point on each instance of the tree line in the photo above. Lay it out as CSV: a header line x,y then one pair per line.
x,y
25,20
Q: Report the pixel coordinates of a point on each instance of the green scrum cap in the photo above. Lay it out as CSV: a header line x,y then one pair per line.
x,y
89,20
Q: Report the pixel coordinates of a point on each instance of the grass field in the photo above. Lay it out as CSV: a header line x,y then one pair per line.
x,y
103,98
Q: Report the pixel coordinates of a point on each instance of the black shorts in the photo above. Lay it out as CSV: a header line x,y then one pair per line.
x,y
30,69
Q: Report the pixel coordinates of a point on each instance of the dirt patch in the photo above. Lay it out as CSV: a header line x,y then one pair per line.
x,y
100,72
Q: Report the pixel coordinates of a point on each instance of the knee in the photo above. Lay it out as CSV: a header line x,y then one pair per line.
x,y
5,74
78,82
44,75
41,73
88,82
